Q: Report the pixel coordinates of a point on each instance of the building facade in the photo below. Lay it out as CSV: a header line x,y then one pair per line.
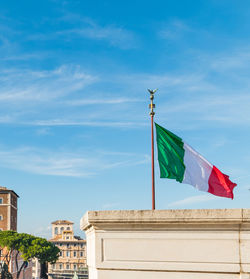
x,y
26,272
36,269
73,252
8,209
8,221
8,217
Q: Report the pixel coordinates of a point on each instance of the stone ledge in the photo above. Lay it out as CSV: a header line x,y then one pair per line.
x,y
164,217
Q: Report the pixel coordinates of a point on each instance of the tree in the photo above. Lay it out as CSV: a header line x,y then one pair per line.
x,y
5,274
27,246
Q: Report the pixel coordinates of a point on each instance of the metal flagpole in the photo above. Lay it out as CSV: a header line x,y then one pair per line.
x,y
152,113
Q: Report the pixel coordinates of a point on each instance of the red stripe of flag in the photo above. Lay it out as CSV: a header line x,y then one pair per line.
x,y
220,184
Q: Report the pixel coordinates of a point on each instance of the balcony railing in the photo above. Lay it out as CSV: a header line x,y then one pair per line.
x,y
68,271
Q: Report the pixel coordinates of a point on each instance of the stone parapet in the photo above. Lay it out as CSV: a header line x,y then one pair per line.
x,y
169,244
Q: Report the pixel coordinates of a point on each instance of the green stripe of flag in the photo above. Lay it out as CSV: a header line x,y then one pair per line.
x,y
170,154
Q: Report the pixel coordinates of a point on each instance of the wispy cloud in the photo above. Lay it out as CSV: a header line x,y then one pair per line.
x,y
47,163
64,122
41,86
63,163
230,110
43,231
47,98
174,29
26,56
101,101
43,131
191,97
115,36
237,59
192,200
89,29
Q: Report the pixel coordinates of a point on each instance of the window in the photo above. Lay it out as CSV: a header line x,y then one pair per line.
x,y
56,230
75,254
67,253
75,267
62,229
60,266
1,200
1,217
61,253
68,228
67,266
67,237
81,254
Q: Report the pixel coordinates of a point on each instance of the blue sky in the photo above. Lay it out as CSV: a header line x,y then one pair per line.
x,y
74,118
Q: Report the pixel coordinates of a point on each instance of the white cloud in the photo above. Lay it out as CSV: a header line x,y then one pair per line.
x,y
174,30
65,122
43,131
47,163
62,163
18,85
237,59
233,109
43,231
88,28
189,98
101,101
25,56
115,36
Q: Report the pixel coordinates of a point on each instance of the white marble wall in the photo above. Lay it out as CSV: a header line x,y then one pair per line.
x,y
169,244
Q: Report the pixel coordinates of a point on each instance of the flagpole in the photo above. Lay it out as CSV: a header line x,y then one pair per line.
x,y
152,113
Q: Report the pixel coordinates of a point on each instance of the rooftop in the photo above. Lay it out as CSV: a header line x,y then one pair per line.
x,y
62,222
58,238
6,190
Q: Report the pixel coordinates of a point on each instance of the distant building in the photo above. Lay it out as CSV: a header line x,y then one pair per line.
x,y
26,272
73,252
8,221
8,209
8,216
36,269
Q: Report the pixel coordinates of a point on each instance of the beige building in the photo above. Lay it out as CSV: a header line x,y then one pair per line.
x,y
8,209
73,252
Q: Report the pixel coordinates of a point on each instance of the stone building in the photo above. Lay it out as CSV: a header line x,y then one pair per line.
x,y
8,221
36,269
8,209
73,252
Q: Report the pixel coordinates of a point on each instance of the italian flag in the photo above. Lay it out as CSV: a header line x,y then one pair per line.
x,y
179,161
